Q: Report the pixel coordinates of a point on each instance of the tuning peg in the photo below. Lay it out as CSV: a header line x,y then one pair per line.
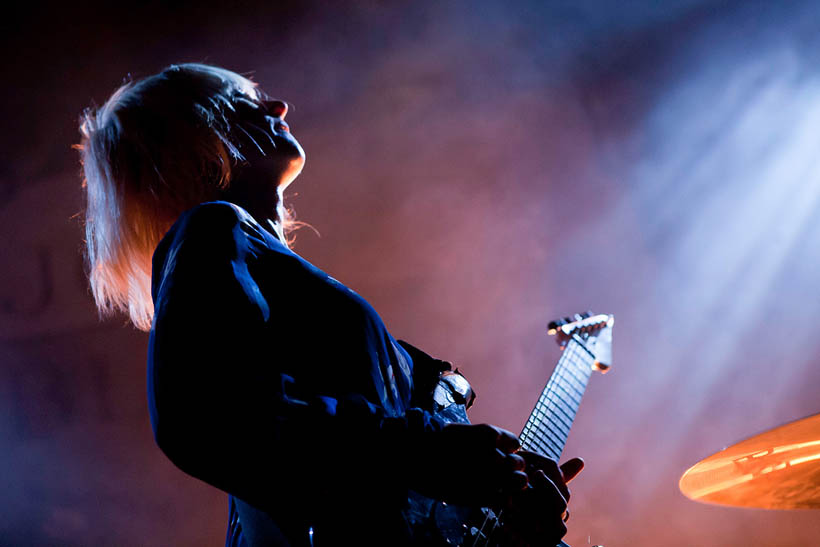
x,y
553,326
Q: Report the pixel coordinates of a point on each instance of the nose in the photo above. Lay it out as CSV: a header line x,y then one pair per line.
x,y
277,108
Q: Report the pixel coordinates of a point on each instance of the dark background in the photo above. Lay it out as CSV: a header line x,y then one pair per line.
x,y
475,169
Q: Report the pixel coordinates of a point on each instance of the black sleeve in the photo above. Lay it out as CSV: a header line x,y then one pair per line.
x,y
221,409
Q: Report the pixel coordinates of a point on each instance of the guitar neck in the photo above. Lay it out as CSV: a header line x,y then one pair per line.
x,y
548,426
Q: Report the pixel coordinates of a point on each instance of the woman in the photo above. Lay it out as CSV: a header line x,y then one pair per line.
x,y
267,378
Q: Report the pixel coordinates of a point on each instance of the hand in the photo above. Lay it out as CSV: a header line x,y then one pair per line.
x,y
537,515
485,468
559,476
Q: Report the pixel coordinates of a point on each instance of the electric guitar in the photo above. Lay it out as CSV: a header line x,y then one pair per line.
x,y
586,341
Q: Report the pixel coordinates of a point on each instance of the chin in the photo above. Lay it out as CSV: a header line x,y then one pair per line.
x,y
292,171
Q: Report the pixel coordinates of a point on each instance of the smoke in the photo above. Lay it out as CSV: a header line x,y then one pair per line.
x,y
475,170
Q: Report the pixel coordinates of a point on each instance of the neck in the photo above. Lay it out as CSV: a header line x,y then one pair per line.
x,y
548,426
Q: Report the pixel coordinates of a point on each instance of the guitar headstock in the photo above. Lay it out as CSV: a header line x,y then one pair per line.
x,y
592,332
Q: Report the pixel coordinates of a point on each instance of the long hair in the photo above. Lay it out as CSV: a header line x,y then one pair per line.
x,y
155,149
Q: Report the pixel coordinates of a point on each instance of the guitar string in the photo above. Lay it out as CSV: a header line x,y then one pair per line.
x,y
573,380
552,400
567,408
578,361
556,403
480,532
547,403
533,431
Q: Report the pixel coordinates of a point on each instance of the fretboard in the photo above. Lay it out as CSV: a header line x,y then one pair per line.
x,y
548,426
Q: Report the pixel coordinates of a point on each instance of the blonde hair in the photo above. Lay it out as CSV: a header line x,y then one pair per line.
x,y
155,149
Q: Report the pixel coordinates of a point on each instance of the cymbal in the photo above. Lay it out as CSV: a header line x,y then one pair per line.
x,y
777,469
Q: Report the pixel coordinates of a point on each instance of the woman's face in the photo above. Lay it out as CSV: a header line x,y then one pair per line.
x,y
270,150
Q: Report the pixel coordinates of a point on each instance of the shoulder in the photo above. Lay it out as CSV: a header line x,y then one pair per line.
x,y
210,233
213,216
214,224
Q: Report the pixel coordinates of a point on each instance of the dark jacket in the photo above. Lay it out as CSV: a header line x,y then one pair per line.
x,y
272,381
